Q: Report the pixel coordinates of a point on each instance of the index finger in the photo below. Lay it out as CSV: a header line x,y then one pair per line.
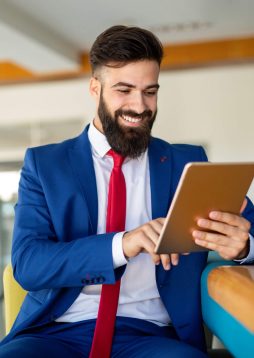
x,y
230,219
161,220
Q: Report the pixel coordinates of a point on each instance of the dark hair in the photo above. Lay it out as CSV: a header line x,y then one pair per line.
x,y
123,44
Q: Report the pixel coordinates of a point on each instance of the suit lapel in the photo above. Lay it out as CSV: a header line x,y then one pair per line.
x,y
160,178
82,165
160,164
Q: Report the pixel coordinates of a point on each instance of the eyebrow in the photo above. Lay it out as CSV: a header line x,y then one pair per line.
x,y
125,84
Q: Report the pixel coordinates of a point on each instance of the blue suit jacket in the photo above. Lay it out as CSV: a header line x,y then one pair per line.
x,y
55,247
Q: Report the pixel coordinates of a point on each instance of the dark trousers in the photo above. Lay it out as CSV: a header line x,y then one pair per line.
x,y
134,338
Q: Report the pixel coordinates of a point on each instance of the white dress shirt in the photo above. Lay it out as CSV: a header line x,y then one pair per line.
x,y
139,296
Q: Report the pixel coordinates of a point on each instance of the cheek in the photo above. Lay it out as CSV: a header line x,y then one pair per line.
x,y
152,104
114,103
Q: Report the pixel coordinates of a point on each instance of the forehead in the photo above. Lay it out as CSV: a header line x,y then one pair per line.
x,y
140,73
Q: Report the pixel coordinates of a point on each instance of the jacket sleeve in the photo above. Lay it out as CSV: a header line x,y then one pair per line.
x,y
39,258
248,214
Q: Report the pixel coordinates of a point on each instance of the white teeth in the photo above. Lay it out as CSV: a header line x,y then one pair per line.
x,y
131,119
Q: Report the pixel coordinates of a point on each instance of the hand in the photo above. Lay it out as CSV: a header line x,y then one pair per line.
x,y
144,239
231,236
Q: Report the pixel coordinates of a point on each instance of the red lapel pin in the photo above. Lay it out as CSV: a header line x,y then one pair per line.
x,y
162,159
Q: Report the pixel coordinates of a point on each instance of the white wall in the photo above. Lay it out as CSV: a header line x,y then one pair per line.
x,y
45,101
24,108
214,107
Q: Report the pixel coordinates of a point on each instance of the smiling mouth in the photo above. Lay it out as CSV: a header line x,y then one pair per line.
x,y
131,119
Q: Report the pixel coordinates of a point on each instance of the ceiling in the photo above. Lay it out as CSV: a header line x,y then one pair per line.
x,y
47,36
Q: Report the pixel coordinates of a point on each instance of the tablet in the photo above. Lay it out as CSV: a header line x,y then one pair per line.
x,y
203,187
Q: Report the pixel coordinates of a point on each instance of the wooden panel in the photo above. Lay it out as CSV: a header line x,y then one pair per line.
x,y
208,53
10,71
85,64
232,287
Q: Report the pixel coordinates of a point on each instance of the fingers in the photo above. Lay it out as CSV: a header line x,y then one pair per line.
x,y
230,219
226,233
153,232
245,202
239,232
144,239
168,259
227,246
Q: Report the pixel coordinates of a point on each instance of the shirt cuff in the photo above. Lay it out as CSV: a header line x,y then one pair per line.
x,y
250,257
117,250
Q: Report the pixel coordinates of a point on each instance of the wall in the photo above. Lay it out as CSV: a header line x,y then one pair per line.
x,y
34,114
212,106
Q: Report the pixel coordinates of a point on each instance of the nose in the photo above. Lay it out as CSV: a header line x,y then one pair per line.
x,y
138,103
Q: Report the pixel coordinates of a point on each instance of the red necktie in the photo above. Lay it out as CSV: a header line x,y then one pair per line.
x,y
116,212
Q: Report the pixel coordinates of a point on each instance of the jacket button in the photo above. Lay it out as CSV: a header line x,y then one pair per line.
x,y
85,281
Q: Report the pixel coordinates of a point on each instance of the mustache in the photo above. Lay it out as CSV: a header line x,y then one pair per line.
x,y
146,114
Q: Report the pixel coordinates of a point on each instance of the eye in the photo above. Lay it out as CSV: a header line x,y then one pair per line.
x,y
123,90
150,93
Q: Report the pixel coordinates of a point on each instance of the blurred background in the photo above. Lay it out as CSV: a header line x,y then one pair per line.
x,y
207,78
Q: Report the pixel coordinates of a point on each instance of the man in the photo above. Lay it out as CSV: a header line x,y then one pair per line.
x,y
63,248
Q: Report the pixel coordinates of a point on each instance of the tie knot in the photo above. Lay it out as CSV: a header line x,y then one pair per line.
x,y
118,158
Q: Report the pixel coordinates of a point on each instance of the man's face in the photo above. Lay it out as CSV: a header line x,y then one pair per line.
x,y
127,105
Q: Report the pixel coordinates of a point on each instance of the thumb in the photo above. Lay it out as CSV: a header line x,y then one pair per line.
x,y
244,204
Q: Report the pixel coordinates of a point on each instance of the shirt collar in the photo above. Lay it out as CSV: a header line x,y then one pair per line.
x,y
98,141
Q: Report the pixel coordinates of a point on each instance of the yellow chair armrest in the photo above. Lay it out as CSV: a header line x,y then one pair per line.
x,y
14,296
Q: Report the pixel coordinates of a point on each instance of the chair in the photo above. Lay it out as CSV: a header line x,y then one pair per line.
x,y
14,295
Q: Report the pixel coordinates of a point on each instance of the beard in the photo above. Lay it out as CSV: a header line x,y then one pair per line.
x,y
127,141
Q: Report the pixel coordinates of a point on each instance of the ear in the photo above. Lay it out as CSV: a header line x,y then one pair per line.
x,y
95,88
